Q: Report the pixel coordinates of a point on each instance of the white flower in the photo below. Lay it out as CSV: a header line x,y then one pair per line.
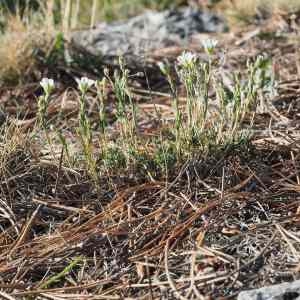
x,y
186,59
84,84
209,45
47,85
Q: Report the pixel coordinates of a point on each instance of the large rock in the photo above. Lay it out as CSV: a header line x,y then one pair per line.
x,y
151,30
284,291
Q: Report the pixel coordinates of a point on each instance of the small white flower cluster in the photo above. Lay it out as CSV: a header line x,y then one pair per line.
x,y
84,84
186,59
209,45
48,85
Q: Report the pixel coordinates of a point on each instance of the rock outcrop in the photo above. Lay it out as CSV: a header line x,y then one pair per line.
x,y
151,30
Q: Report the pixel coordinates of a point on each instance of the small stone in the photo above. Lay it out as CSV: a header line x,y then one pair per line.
x,y
283,291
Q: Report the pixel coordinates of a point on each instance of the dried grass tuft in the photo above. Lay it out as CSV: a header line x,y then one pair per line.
x,y
19,47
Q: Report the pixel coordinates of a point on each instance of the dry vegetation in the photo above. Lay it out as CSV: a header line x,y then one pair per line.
x,y
115,192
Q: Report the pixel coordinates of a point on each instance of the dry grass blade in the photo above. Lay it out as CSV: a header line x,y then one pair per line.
x,y
6,296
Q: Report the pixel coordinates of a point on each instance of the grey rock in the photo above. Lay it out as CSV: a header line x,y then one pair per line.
x,y
283,291
151,30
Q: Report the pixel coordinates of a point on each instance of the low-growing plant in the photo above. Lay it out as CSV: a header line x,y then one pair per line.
x,y
196,76
246,95
43,103
84,129
101,93
65,147
141,162
165,155
209,122
127,118
166,70
219,121
114,158
213,118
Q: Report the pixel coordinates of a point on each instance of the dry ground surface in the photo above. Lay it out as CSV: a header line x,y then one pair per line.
x,y
213,226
